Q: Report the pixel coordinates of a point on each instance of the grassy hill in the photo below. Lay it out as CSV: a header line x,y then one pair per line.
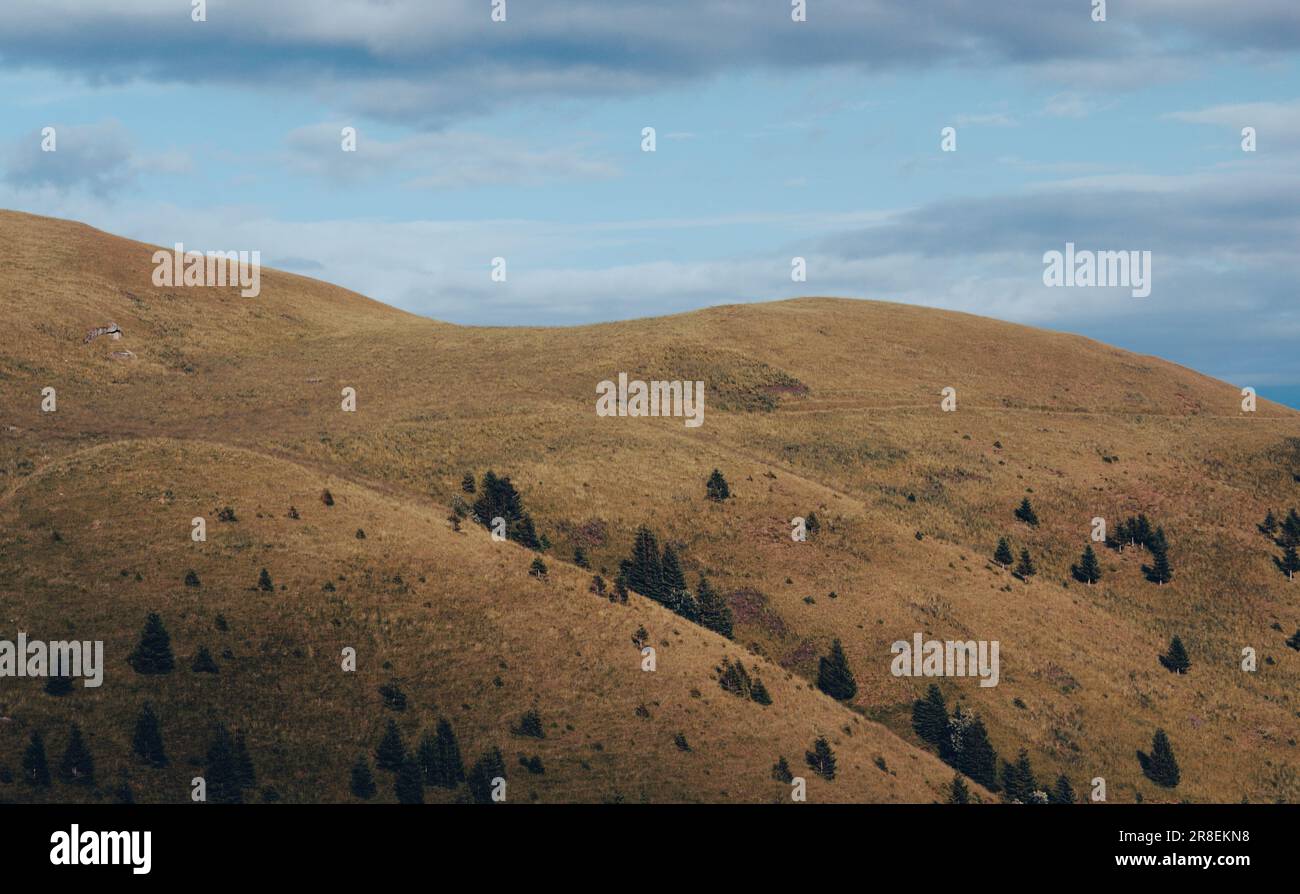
x,y
814,405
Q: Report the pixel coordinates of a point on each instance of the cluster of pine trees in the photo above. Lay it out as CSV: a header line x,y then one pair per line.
x,y
735,679
1287,536
658,576
436,762
1136,531
498,498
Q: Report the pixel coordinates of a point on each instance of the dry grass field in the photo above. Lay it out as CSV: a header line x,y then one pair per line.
x,y
821,405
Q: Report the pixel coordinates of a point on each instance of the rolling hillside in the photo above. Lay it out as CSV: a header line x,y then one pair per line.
x,y
813,405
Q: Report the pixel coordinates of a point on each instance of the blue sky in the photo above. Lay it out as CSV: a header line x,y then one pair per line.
x,y
775,139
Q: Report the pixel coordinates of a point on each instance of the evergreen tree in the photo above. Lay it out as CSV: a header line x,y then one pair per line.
x,y
760,694
833,675
58,684
974,754
1140,532
221,771
408,785
1159,571
1025,567
1026,513
530,724
673,580
153,654
717,488
426,757
203,662
1002,555
487,768
77,766
391,753
644,571
715,614
147,741
1088,570
523,533
244,772
1175,659
959,793
1290,562
35,766
467,483
1063,793
620,589
1270,524
1018,783
930,717
1160,766
264,581
821,759
538,568
812,524
191,578
580,557
1291,529
1294,641
363,782
448,768
781,771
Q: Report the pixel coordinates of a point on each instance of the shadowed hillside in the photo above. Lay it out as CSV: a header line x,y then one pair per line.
x,y
818,406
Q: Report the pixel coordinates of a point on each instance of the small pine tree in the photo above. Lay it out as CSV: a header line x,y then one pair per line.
x,y
717,488
244,771
221,770
191,578
833,675
1270,524
363,781
580,557
58,684
203,662
1290,562
1088,570
147,741
1025,512
1025,567
1063,793
449,768
974,754
930,717
426,757
1160,766
153,654
781,771
821,759
391,753
408,785
1002,555
958,793
538,568
487,768
714,612
760,694
620,590
1176,660
467,483
1018,783
530,724
812,524
35,767
1159,571
326,497
264,581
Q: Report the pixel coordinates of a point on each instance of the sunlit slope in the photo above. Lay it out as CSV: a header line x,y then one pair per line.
x,y
815,404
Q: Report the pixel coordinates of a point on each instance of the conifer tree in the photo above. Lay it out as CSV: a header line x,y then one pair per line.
x,y
58,684
203,662
1176,660
580,557
759,693
35,766
1291,528
1063,793
147,741
1160,766
449,768
821,759
1002,555
781,771
1018,783
1088,570
221,771
1025,567
715,614
833,675
974,755
77,766
191,578
153,654
717,488
1026,513
426,757
673,580
620,589
487,768
391,753
930,717
812,524
1159,571
538,568
245,774
467,483
264,581
958,793
1290,562
1270,524
363,781
1294,641
644,571
408,785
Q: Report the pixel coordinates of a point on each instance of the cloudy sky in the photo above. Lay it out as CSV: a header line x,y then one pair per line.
x,y
818,139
